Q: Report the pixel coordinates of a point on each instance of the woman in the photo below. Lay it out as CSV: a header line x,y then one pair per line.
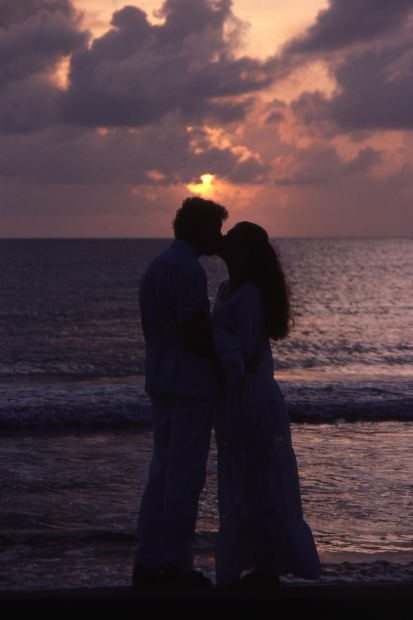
x,y
261,519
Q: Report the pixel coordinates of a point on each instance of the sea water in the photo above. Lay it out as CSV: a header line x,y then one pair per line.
x,y
75,420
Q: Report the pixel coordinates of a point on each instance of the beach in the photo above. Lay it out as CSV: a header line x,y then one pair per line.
x,y
75,420
336,600
71,500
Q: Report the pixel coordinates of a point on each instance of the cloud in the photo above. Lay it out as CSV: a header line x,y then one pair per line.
x,y
34,36
374,92
132,93
81,156
137,73
320,164
363,162
150,107
375,89
372,66
316,165
27,105
346,22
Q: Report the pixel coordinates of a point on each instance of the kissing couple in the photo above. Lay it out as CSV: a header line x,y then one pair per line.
x,y
207,371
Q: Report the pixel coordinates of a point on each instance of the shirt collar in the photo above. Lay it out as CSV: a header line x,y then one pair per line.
x,y
186,247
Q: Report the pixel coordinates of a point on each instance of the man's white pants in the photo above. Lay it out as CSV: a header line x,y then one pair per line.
x,y
168,512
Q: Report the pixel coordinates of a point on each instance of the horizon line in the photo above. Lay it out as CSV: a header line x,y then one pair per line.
x,y
150,238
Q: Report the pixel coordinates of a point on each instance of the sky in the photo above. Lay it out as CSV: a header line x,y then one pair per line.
x,y
296,115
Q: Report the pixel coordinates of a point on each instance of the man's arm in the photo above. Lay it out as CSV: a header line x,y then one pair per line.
x,y
196,334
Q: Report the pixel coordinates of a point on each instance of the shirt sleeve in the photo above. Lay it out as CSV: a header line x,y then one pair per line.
x,y
187,290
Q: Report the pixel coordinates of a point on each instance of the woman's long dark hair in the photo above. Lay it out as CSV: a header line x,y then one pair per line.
x,y
265,270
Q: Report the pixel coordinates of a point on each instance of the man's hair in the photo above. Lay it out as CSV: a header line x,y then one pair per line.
x,y
195,215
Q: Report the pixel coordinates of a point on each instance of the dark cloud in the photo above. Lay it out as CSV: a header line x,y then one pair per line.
x,y
373,80
185,18
346,22
320,164
365,159
146,82
274,117
34,34
27,105
227,164
82,156
13,12
275,112
374,91
313,110
315,165
136,73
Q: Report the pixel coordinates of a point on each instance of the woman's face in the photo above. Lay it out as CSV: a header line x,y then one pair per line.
x,y
234,251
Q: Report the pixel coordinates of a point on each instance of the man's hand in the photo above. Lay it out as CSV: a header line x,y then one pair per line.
x,y
196,334
252,363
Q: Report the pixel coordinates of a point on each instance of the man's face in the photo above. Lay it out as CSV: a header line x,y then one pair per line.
x,y
210,241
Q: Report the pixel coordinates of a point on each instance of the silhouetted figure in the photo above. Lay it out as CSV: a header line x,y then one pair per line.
x,y
261,520
183,384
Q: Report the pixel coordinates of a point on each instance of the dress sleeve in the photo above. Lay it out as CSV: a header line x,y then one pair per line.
x,y
239,341
248,320
229,351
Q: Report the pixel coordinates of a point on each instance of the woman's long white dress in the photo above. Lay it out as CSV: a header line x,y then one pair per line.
x,y
261,518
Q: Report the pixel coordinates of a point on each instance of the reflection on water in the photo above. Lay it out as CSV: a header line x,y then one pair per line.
x,y
351,302
357,484
66,303
356,481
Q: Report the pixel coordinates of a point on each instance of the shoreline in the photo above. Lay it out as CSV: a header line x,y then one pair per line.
x,y
342,575
57,403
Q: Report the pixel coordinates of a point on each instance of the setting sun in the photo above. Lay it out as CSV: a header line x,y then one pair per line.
x,y
205,187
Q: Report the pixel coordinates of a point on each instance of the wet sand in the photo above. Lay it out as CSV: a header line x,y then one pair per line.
x,y
338,597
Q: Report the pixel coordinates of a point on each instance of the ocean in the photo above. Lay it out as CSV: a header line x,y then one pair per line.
x,y
75,419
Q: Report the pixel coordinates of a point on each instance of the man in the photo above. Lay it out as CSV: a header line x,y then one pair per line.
x,y
182,381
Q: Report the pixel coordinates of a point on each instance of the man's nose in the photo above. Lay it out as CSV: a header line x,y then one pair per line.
x,y
220,243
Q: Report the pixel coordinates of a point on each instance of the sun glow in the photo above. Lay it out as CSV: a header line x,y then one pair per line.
x,y
203,188
61,73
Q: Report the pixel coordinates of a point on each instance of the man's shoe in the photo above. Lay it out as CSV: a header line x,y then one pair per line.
x,y
146,578
193,580
259,581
